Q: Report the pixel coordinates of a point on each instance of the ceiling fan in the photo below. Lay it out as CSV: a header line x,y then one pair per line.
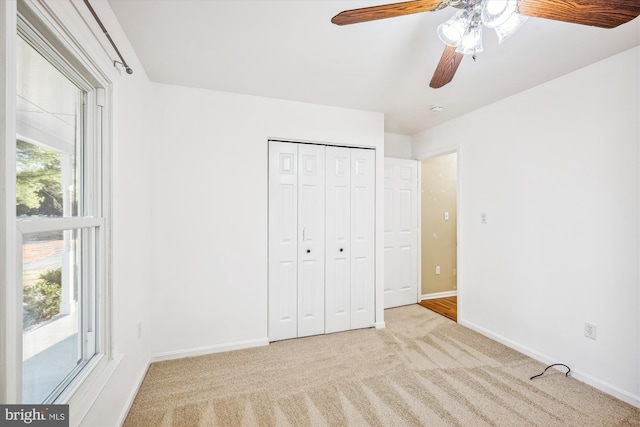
x,y
463,32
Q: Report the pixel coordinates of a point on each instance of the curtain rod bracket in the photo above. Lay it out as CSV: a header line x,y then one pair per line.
x,y
125,66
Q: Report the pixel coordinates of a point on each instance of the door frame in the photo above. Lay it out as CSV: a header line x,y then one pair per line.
x,y
459,276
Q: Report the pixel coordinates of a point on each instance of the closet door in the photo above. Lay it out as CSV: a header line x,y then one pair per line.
x,y
283,240
321,239
338,240
362,254
311,239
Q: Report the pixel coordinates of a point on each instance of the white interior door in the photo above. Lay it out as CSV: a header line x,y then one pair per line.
x,y
362,238
400,232
338,240
283,240
311,238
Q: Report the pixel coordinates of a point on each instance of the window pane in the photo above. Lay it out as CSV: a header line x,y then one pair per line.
x,y
55,309
48,131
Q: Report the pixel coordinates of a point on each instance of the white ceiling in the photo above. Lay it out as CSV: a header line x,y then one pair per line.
x,y
289,49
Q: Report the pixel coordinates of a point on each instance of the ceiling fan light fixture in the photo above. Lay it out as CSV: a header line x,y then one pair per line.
x,y
462,33
452,30
497,12
471,42
509,26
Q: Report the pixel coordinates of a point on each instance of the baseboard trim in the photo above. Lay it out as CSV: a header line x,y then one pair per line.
x,y
132,395
201,351
439,295
575,373
379,325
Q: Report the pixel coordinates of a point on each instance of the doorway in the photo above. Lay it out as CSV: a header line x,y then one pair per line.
x,y
438,211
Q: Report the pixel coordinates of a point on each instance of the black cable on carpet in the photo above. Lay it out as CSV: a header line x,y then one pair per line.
x,y
555,364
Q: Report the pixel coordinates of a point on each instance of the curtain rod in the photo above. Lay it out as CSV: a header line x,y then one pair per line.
x,y
104,30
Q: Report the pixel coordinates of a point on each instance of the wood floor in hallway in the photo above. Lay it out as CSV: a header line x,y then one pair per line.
x,y
447,307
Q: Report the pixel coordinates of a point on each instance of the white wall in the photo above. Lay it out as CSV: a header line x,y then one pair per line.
x,y
397,145
134,151
132,210
133,159
210,211
556,170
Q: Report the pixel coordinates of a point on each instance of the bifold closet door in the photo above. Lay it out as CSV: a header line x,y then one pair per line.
x,y
283,241
296,240
362,238
311,238
321,239
349,280
338,237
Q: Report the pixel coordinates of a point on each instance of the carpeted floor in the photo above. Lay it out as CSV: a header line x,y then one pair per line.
x,y
422,370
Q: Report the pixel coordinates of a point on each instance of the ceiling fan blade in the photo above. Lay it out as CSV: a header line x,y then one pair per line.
x,y
373,13
446,68
598,13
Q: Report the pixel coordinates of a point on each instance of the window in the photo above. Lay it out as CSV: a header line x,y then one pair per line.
x,y
61,176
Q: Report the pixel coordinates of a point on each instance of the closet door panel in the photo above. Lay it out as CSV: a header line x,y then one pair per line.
x,y
362,238
311,232
338,240
283,241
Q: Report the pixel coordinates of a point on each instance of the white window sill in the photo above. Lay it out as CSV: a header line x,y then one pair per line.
x,y
81,397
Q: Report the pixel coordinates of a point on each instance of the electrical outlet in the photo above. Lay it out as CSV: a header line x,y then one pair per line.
x,y
437,269
590,330
483,218
139,330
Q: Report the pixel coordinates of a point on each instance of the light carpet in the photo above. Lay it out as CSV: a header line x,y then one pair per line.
x,y
422,370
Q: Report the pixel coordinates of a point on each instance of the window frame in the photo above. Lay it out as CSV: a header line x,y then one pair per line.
x,y
44,28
